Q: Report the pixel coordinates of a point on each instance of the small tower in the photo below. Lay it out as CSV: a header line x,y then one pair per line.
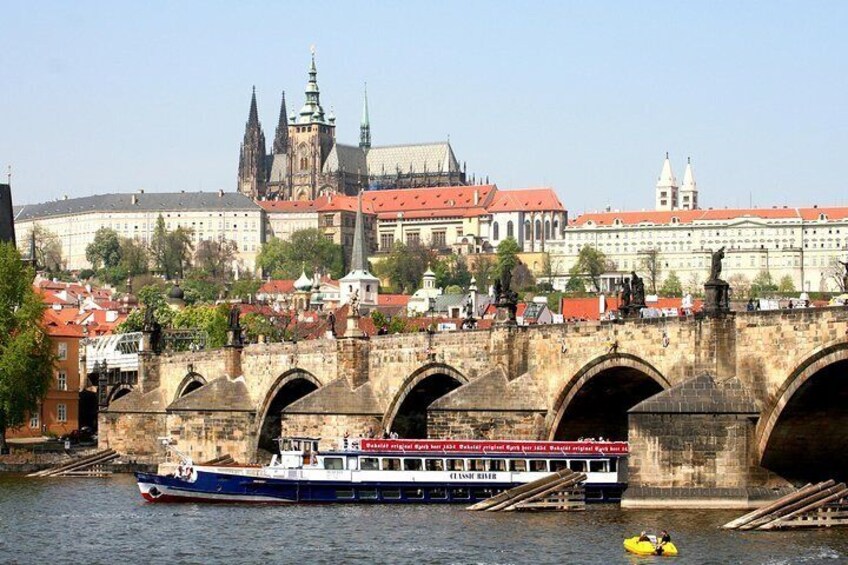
x,y
689,190
281,137
365,124
429,279
251,175
359,280
667,188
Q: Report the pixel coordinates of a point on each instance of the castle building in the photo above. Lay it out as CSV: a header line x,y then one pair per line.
x,y
306,162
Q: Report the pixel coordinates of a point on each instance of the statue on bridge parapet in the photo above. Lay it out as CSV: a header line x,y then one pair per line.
x,y
507,299
632,295
716,291
625,295
152,331
234,327
844,275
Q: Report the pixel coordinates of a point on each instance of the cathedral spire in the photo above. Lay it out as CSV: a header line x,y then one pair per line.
x,y
253,117
281,138
312,110
251,175
365,123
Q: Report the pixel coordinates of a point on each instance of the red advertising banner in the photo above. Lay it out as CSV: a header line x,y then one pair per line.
x,y
484,446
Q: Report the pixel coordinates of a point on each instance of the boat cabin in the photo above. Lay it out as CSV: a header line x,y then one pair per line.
x,y
296,452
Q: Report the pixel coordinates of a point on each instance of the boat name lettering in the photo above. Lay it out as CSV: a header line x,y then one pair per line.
x,y
473,476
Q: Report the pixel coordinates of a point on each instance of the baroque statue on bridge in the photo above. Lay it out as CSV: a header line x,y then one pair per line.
x,y
715,265
845,275
625,294
152,327
638,290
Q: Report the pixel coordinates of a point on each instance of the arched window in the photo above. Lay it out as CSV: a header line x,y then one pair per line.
x,y
538,229
547,229
527,230
509,230
495,232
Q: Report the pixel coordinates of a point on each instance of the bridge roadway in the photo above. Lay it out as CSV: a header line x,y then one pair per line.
x,y
716,409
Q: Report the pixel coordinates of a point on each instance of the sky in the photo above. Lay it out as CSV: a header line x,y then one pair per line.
x,y
585,97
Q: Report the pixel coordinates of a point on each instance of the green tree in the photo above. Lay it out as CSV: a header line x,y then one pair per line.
x,y
522,278
105,250
214,259
26,357
405,265
135,259
652,265
762,285
508,251
307,249
484,272
170,251
245,287
672,285
201,290
591,263
787,285
256,325
451,270
48,249
159,246
575,283
214,320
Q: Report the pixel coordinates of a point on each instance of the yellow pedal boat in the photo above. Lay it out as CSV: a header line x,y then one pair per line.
x,y
633,545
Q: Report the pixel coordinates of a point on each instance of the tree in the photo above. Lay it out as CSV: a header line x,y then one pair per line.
x,y
307,249
836,273
484,272
786,285
762,285
694,285
134,257
549,271
508,251
592,263
170,250
159,245
740,286
104,250
575,283
26,357
451,270
214,259
256,325
672,285
245,287
214,320
405,266
522,278
48,249
652,265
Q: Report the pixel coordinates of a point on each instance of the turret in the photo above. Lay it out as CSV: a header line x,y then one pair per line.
x,y
365,124
281,138
689,190
666,188
251,175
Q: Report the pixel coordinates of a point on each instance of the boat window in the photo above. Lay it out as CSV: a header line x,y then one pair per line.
x,y
413,493
594,494
579,466
334,463
344,493
459,493
456,464
497,465
315,446
598,466
538,465
438,493
518,465
476,464
367,494
483,493
434,464
352,462
412,465
369,464
286,445
391,494
391,464
613,465
558,465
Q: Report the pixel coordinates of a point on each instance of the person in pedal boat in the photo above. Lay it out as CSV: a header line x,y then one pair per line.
x,y
662,539
644,537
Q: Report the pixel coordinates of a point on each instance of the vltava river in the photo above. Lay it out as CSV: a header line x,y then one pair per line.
x,y
106,521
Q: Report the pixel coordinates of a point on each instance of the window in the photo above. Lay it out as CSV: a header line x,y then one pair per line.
x,y
62,380
456,465
598,466
483,493
412,465
518,465
367,494
391,494
391,464
538,465
413,493
497,465
558,466
439,239
438,493
334,463
509,229
33,422
62,412
459,493
328,220
344,493
369,464
495,232
413,238
434,464
476,464
387,241
62,351
578,466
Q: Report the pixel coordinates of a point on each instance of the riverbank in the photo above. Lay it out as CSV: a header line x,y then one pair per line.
x,y
30,458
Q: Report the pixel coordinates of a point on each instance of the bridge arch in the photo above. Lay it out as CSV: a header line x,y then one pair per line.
x,y
119,391
595,401
407,414
190,383
802,433
290,386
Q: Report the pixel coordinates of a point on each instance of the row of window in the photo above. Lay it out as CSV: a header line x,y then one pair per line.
x,y
451,464
61,416
414,493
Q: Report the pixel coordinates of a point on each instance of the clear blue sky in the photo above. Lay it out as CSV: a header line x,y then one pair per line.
x,y
582,96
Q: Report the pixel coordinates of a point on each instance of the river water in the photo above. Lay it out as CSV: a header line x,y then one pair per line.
x,y
106,521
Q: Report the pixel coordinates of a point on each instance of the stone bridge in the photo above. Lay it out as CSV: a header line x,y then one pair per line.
x,y
720,408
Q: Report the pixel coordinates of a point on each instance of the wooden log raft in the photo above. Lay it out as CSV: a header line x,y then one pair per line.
x,y
557,491
821,504
78,465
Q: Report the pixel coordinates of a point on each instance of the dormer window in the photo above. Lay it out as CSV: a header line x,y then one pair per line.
x,y
617,222
822,217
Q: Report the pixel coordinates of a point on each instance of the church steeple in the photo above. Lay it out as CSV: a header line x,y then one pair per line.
x,y
251,175
666,197
359,255
359,281
312,111
365,123
281,138
689,190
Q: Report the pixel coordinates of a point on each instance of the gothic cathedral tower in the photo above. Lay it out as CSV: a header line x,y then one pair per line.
x,y
252,173
311,136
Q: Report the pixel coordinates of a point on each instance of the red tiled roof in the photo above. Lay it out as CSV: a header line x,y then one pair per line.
x,y
526,200
332,203
832,213
432,202
279,286
688,216
393,299
587,308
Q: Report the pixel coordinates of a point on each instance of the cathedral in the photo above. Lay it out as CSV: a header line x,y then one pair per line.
x,y
306,162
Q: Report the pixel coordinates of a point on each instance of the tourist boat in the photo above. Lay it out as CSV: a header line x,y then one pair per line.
x,y
392,471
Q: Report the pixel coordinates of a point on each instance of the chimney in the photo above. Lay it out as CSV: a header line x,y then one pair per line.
x,y
141,191
476,197
220,193
64,197
134,199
